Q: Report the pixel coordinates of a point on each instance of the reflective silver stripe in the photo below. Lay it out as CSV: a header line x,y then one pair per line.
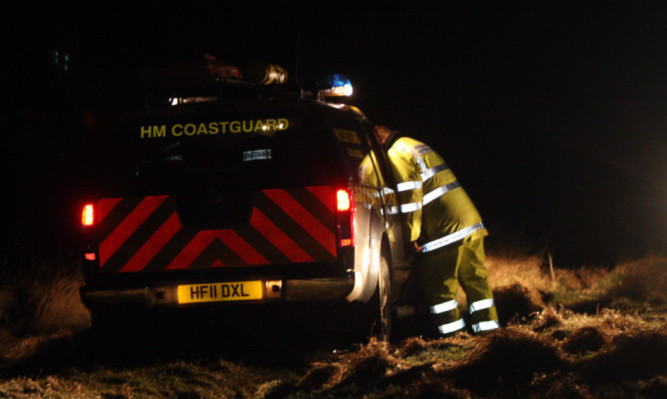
x,y
411,207
393,210
428,173
408,185
448,239
444,307
439,192
480,305
485,326
387,191
422,165
451,327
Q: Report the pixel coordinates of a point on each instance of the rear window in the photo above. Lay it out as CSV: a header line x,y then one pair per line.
x,y
267,148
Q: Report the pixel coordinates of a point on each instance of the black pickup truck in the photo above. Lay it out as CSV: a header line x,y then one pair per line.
x,y
226,194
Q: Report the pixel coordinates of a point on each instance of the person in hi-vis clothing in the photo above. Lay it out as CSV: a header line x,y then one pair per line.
x,y
447,231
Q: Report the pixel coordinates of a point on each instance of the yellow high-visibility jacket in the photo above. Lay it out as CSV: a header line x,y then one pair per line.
x,y
431,200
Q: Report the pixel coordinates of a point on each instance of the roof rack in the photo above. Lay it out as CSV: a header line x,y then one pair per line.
x,y
218,82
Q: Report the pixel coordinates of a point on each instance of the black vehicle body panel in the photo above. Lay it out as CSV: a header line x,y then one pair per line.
x,y
222,191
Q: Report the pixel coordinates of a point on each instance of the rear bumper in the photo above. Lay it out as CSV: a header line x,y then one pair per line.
x,y
166,295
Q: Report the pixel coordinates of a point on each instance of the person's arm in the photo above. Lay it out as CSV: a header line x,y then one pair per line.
x,y
409,187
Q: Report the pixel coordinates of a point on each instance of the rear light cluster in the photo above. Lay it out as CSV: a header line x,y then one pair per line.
x,y
88,220
342,200
88,215
346,219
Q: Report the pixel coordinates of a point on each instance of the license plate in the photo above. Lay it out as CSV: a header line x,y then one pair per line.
x,y
218,292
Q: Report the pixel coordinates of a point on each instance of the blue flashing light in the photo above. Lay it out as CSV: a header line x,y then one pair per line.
x,y
339,85
335,85
340,81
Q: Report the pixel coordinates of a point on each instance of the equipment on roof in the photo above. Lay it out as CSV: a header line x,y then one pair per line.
x,y
219,70
266,74
339,86
180,84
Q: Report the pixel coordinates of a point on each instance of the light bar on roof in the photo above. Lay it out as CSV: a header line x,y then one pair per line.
x,y
339,86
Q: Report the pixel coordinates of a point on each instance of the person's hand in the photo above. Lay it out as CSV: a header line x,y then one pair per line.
x,y
417,247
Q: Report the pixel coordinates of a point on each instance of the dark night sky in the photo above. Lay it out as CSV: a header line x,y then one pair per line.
x,y
551,114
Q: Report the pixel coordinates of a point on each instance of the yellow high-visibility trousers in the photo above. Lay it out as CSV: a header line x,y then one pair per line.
x,y
441,273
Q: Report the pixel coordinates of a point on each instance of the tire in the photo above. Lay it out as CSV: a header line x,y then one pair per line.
x,y
380,307
373,319
117,325
106,324
384,320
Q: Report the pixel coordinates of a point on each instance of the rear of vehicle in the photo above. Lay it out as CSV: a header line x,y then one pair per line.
x,y
215,204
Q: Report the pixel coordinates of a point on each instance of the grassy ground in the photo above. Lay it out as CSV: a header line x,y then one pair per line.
x,y
584,333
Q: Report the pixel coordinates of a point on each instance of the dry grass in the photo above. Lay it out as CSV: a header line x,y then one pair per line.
x,y
38,302
520,280
585,333
644,280
641,282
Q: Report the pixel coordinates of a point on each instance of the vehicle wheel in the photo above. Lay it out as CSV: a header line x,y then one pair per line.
x,y
109,324
101,327
105,323
383,321
360,321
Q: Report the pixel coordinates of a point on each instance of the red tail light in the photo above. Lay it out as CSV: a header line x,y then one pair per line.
x,y
88,215
342,200
346,218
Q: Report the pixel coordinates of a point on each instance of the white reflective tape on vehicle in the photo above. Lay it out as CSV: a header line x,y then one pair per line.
x,y
485,326
444,307
439,192
411,207
451,238
408,185
480,305
256,155
428,173
451,327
